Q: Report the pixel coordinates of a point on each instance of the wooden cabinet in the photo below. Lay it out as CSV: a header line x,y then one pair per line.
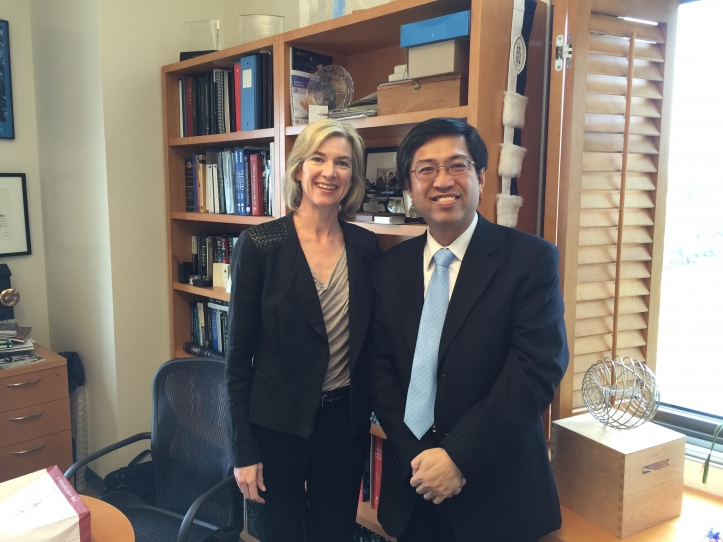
x,y
35,417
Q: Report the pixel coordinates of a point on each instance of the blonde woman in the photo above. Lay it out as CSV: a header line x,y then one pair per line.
x,y
296,373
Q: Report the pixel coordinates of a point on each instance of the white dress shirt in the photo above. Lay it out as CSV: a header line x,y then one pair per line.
x,y
458,248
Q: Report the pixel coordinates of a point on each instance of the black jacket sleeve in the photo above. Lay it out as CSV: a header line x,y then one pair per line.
x,y
244,311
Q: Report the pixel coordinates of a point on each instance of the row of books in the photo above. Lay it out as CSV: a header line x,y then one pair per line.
x,y
224,101
371,483
207,249
237,181
209,324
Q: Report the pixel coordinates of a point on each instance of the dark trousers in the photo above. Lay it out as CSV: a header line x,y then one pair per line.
x,y
429,523
312,486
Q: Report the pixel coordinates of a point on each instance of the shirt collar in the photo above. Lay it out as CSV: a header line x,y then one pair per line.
x,y
458,246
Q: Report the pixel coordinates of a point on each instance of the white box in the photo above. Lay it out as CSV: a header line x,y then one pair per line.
x,y
220,274
451,56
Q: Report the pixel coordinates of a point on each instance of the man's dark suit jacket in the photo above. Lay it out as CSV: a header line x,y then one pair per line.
x,y
278,352
502,353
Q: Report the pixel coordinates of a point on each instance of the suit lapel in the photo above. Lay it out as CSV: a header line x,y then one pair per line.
x,y
475,274
302,289
359,307
410,281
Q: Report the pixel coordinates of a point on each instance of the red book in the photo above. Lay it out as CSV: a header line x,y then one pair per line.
x,y
237,93
257,184
188,87
377,470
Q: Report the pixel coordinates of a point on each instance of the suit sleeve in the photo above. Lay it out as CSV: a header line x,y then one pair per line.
x,y
524,388
244,311
388,395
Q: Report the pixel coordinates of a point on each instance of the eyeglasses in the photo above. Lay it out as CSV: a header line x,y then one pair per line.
x,y
457,167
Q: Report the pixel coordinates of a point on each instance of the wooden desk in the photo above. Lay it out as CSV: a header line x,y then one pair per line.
x,y
107,523
701,511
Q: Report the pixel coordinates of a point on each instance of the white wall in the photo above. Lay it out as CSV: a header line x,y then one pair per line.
x,y
20,155
97,70
137,38
71,146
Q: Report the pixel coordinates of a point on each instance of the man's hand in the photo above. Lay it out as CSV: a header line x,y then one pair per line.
x,y
250,479
435,475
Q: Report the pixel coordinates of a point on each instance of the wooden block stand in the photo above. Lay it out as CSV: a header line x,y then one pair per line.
x,y
624,481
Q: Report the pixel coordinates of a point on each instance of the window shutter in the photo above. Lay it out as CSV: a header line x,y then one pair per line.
x,y
616,161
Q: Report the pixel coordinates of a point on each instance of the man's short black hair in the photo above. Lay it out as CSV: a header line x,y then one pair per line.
x,y
434,128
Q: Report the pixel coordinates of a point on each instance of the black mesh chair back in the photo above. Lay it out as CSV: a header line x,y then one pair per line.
x,y
188,442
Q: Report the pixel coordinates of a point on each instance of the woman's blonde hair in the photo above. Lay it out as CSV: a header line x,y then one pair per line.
x,y
306,144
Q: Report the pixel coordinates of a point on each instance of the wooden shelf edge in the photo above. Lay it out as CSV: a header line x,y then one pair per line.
x,y
218,292
407,230
366,516
210,59
221,218
220,139
399,119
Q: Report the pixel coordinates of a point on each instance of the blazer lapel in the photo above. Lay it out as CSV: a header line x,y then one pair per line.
x,y
475,274
302,289
410,282
359,300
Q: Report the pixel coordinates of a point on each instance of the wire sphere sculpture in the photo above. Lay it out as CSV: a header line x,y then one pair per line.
x,y
621,393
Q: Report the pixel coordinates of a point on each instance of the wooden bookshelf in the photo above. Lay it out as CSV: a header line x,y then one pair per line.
x,y
366,43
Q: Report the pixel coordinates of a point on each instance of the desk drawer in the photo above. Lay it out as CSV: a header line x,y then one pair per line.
x,y
33,388
33,455
34,422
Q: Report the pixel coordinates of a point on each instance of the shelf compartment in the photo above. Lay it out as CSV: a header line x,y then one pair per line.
x,y
393,126
220,218
372,28
264,135
404,230
218,292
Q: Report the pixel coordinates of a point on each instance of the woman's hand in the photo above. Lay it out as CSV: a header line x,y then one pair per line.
x,y
250,479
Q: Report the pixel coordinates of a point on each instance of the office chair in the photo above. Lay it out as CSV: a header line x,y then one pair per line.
x,y
196,493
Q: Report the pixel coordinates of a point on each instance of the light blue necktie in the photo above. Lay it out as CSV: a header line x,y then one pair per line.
x,y
419,410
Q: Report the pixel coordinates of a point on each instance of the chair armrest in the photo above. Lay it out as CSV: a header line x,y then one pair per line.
x,y
92,457
198,503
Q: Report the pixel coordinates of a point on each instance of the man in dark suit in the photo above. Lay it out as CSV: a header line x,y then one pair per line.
x,y
468,345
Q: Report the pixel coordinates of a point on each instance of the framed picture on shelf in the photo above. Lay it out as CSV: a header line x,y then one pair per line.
x,y
381,172
14,221
7,126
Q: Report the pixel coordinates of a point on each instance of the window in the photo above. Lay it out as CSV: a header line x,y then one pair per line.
x,y
690,358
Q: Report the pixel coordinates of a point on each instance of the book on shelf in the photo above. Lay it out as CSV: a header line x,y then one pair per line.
x,y
250,93
302,64
8,329
376,470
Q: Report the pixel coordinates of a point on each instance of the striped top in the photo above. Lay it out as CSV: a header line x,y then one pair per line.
x,y
334,299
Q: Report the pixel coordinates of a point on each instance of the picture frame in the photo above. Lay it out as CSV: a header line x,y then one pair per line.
x,y
381,172
7,120
14,219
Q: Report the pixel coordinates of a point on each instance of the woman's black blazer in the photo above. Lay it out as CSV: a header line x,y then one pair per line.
x,y
277,350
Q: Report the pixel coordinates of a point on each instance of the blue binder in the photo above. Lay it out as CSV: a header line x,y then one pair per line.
x,y
249,92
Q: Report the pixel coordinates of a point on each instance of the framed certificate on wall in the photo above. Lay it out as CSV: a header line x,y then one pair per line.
x,y
14,221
